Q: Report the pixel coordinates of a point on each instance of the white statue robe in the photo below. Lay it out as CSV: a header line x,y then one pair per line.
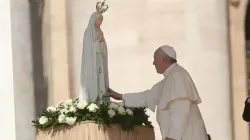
x,y
94,69
177,100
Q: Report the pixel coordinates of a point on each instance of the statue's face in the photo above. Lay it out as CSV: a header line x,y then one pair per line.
x,y
98,21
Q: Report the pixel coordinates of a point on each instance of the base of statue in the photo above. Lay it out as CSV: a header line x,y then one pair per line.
x,y
91,131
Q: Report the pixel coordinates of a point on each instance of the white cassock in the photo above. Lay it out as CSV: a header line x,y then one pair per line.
x,y
177,100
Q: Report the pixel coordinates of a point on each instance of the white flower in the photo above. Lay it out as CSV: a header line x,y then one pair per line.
x,y
68,102
129,111
111,113
51,109
121,110
71,120
113,106
121,104
59,104
72,109
61,118
92,107
82,104
43,120
64,111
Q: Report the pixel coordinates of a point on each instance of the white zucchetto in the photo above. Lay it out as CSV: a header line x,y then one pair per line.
x,y
169,51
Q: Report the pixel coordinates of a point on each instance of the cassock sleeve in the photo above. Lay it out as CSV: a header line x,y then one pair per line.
x,y
178,119
246,113
135,99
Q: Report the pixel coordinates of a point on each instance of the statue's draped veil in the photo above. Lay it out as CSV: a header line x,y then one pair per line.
x,y
91,83
88,89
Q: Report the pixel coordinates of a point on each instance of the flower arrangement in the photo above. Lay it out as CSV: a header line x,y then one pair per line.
x,y
70,112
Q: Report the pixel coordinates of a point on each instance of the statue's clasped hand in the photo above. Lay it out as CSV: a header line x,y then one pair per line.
x,y
101,37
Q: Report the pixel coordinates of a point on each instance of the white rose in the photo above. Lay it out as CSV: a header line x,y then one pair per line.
x,y
43,120
113,106
72,109
51,109
121,104
121,110
82,104
61,118
59,104
111,113
68,102
64,111
129,111
71,120
92,107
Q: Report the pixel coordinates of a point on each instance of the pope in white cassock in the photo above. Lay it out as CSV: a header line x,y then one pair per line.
x,y
175,96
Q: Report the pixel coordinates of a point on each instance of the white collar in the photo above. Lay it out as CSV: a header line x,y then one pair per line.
x,y
167,71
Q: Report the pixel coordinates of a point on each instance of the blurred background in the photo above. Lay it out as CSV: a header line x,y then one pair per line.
x,y
41,44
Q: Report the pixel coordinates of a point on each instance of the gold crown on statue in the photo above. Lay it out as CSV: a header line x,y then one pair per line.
x,y
101,7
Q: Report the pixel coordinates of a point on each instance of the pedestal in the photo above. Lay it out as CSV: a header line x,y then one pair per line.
x,y
92,131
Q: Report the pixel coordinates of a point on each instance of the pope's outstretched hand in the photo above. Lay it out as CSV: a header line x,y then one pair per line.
x,y
113,94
